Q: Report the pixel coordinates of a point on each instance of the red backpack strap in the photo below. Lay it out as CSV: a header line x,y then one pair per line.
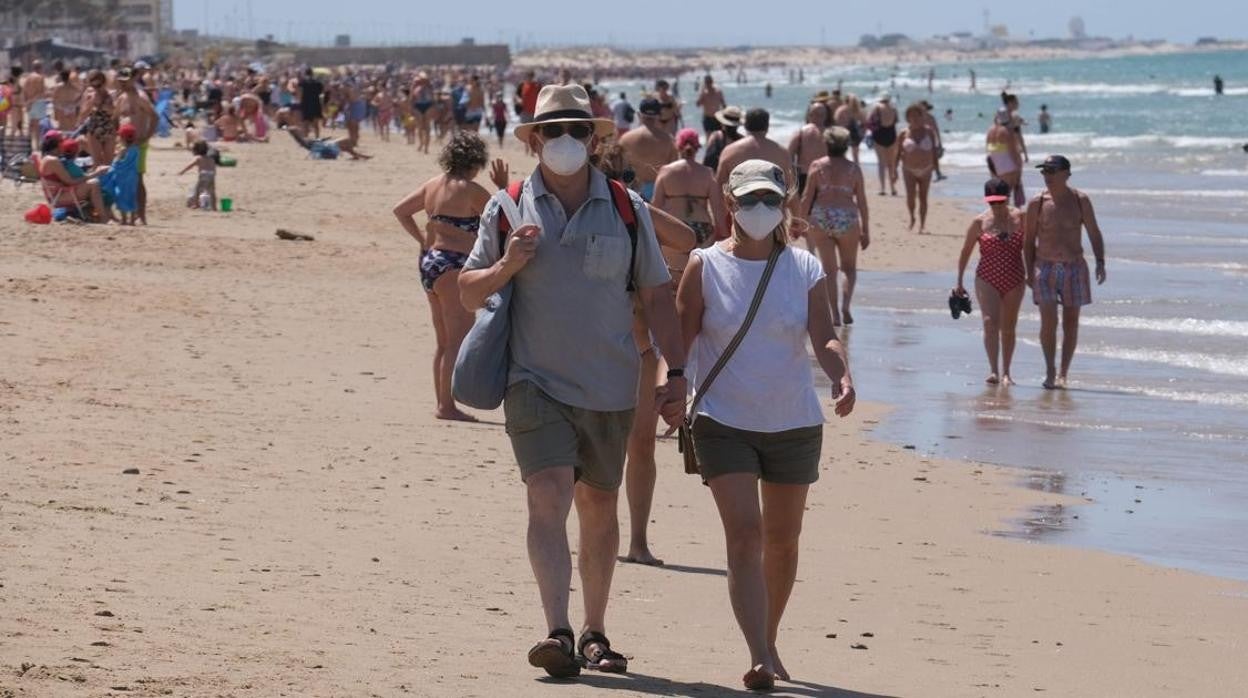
x,y
624,206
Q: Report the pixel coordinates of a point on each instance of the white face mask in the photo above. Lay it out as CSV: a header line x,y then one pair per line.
x,y
564,155
759,221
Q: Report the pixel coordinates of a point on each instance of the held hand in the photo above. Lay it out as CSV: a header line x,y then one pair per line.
x,y
845,398
500,173
521,246
669,402
959,290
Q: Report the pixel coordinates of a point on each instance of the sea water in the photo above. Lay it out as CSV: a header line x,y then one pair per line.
x,y
1152,433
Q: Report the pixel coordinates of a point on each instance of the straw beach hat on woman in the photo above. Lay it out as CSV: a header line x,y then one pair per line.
x,y
563,103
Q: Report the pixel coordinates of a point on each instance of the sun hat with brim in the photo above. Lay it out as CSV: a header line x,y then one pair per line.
x,y
753,175
821,96
564,104
729,116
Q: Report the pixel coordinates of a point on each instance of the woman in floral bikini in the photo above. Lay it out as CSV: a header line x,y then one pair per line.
x,y
454,203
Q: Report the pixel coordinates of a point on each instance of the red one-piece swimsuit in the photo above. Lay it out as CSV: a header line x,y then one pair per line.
x,y
1001,260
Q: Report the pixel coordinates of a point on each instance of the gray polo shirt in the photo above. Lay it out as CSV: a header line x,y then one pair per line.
x,y
571,313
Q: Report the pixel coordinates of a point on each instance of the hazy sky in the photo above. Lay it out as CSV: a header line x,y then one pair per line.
x,y
697,22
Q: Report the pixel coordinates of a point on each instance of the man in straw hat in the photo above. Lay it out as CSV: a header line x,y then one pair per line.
x,y
568,411
820,112
729,119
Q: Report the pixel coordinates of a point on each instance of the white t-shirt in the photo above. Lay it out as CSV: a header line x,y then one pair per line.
x,y
767,385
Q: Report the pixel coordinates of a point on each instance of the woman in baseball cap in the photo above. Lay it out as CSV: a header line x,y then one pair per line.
x,y
998,277
737,441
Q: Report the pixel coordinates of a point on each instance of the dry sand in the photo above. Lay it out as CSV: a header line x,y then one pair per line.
x,y
301,526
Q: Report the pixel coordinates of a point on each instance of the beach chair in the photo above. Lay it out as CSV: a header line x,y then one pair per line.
x,y
63,196
16,162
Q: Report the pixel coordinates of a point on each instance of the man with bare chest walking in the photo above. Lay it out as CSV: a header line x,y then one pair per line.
x,y
1053,257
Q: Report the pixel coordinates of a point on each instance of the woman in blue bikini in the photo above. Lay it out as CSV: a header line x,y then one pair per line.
x,y
836,208
454,203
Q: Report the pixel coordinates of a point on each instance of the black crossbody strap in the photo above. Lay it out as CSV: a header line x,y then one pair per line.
x,y
736,340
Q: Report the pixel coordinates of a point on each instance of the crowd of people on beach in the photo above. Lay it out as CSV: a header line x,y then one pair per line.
x,y
669,254
711,233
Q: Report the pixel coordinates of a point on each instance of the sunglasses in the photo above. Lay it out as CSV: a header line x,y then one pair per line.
x,y
579,131
1044,172
766,198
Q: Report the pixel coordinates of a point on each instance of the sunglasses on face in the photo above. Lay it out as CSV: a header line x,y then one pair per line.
x,y
579,131
1046,173
766,198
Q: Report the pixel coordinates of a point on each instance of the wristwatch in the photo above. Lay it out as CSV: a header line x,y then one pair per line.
x,y
675,373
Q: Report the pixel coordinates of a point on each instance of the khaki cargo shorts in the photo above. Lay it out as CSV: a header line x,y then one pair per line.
x,y
546,433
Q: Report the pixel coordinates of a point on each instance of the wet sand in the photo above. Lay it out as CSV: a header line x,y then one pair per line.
x,y
299,524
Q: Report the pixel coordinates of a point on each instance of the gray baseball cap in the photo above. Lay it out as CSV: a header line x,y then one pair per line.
x,y
753,175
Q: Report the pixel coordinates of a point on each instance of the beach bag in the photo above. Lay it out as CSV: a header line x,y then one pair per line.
x,y
684,437
480,376
41,214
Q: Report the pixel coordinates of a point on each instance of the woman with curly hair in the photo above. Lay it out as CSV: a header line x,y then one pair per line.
x,y
453,202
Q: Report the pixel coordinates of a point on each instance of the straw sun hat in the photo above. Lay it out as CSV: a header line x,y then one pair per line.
x,y
564,103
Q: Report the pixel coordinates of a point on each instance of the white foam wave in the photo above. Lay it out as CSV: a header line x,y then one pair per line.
x,y
1188,326
1224,173
1085,140
1241,194
1211,363
1239,399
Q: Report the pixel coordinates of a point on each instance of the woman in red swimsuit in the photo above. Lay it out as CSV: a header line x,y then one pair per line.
x,y
999,275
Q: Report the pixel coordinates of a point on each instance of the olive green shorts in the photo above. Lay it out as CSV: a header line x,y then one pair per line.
x,y
789,457
546,433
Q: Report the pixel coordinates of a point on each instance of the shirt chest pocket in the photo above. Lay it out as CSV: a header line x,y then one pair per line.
x,y
606,257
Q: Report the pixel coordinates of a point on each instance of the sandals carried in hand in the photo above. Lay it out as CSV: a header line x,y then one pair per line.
x,y
616,662
557,660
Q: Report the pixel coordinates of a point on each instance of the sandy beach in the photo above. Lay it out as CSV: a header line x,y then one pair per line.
x,y
300,525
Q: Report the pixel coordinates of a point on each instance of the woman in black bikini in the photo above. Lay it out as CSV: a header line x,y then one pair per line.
x,y
454,203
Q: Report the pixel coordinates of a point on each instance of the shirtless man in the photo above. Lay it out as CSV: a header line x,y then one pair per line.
x,y
475,110
807,144
65,100
35,98
134,107
1053,257
819,112
669,116
648,148
711,99
756,145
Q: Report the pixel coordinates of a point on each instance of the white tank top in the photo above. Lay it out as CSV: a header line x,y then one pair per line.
x,y
767,385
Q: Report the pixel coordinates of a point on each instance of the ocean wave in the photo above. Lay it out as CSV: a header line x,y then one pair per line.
x,y
1241,194
1224,173
1238,399
1189,326
1211,363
